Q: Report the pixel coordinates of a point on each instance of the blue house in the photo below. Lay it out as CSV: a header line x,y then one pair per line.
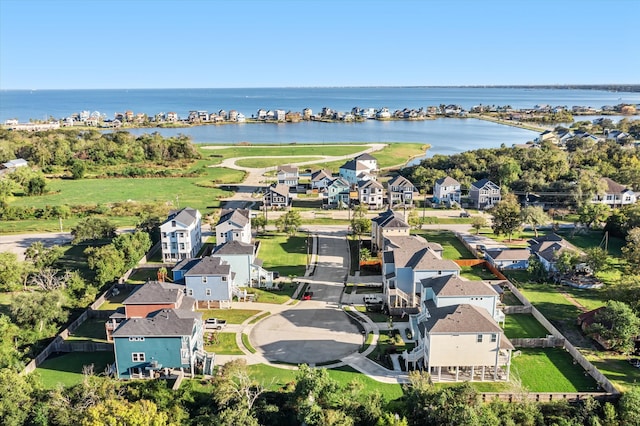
x,y
209,280
508,258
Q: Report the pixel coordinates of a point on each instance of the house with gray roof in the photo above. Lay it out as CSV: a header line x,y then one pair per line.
x,y
181,235
233,225
548,247
484,194
350,171
277,196
371,193
387,223
288,175
615,195
208,279
401,190
509,258
320,179
368,160
245,265
458,336
338,193
446,190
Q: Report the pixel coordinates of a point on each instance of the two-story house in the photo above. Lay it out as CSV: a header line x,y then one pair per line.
x,y
277,196
368,160
484,194
320,179
446,190
288,175
233,225
338,192
400,191
371,193
158,331
548,247
615,195
386,224
457,330
209,280
181,235
352,169
245,266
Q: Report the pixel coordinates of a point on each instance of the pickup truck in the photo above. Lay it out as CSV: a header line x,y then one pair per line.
x,y
216,323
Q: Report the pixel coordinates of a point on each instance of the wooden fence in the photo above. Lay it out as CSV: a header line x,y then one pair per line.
x,y
516,309
548,396
537,342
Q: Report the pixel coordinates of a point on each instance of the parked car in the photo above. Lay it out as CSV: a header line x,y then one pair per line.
x,y
465,214
216,323
307,295
370,299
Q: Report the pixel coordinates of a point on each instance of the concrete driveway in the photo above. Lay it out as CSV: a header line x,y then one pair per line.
x,y
314,331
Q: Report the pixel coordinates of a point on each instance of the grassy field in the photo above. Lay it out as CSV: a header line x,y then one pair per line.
x,y
393,155
221,344
279,150
453,247
67,369
617,369
283,253
232,316
91,330
523,326
550,370
263,163
141,276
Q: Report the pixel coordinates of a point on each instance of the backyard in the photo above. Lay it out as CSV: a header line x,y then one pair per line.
x,y
453,248
66,369
523,326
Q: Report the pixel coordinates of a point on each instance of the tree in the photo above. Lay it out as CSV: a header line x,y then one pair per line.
x,y
591,213
534,216
107,261
78,169
478,222
506,216
118,411
565,260
359,222
39,310
289,222
93,228
413,220
629,407
41,256
365,254
12,272
16,396
631,251
618,325
508,171
260,222
234,386
596,258
49,279
9,354
36,185
132,246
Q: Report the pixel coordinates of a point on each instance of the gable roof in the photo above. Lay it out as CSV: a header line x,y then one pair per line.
x,y
416,253
280,189
365,157
186,216
484,182
354,165
164,323
509,254
614,187
238,216
401,181
287,168
549,249
234,247
209,266
321,174
447,181
390,219
340,182
462,318
155,293
453,286
367,183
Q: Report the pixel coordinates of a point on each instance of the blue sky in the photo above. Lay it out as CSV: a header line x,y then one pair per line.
x,y
220,44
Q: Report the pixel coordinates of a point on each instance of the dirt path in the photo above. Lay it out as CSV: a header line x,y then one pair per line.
x,y
573,301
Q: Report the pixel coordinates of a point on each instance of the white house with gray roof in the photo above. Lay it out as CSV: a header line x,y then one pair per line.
x,y
446,190
209,280
371,194
508,259
484,194
245,265
181,235
458,336
233,225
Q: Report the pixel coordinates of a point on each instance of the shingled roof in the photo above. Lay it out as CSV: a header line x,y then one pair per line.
x,y
209,266
453,286
462,318
234,247
238,216
155,293
187,216
164,323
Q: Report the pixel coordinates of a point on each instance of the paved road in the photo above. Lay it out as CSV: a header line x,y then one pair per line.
x,y
18,243
314,331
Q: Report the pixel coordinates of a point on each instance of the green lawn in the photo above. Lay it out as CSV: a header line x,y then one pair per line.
x,y
617,369
141,276
476,273
523,326
232,316
114,302
261,163
550,370
393,155
274,378
91,330
221,344
272,296
283,253
279,150
452,247
593,239
67,369
553,305
509,299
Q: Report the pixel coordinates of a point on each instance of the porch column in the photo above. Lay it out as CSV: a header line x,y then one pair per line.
x,y
483,367
439,373
457,372
473,369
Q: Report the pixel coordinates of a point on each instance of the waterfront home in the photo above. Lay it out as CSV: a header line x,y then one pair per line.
x,y
458,337
338,193
371,194
209,280
181,235
446,190
320,179
288,175
615,195
277,196
369,161
484,194
407,259
245,266
508,259
400,190
387,224
233,225
172,117
353,169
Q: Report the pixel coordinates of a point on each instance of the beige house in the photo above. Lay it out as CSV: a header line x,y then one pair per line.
x,y
387,224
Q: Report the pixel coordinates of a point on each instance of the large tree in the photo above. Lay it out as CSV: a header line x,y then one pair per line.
x,y
534,216
289,222
93,228
593,213
506,216
39,310
631,251
12,272
618,325
107,261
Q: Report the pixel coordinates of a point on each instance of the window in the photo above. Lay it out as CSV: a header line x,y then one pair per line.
x,y
164,235
136,339
224,278
479,340
173,223
204,279
208,292
189,292
181,246
137,357
494,338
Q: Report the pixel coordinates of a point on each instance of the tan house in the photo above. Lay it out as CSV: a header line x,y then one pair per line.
x,y
387,224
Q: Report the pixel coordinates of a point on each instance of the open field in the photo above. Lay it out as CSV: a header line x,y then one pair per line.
x,y
523,326
262,163
393,155
67,369
283,253
215,153
550,370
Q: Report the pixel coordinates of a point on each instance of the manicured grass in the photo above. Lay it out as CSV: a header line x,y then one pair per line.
x,y
141,276
374,316
261,163
284,253
275,378
551,370
476,273
259,317
92,330
280,150
114,302
509,299
523,326
593,239
221,343
553,305
452,247
247,344
67,369
272,296
393,155
232,316
616,368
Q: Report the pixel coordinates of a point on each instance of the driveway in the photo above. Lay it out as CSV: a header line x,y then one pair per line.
x,y
314,331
